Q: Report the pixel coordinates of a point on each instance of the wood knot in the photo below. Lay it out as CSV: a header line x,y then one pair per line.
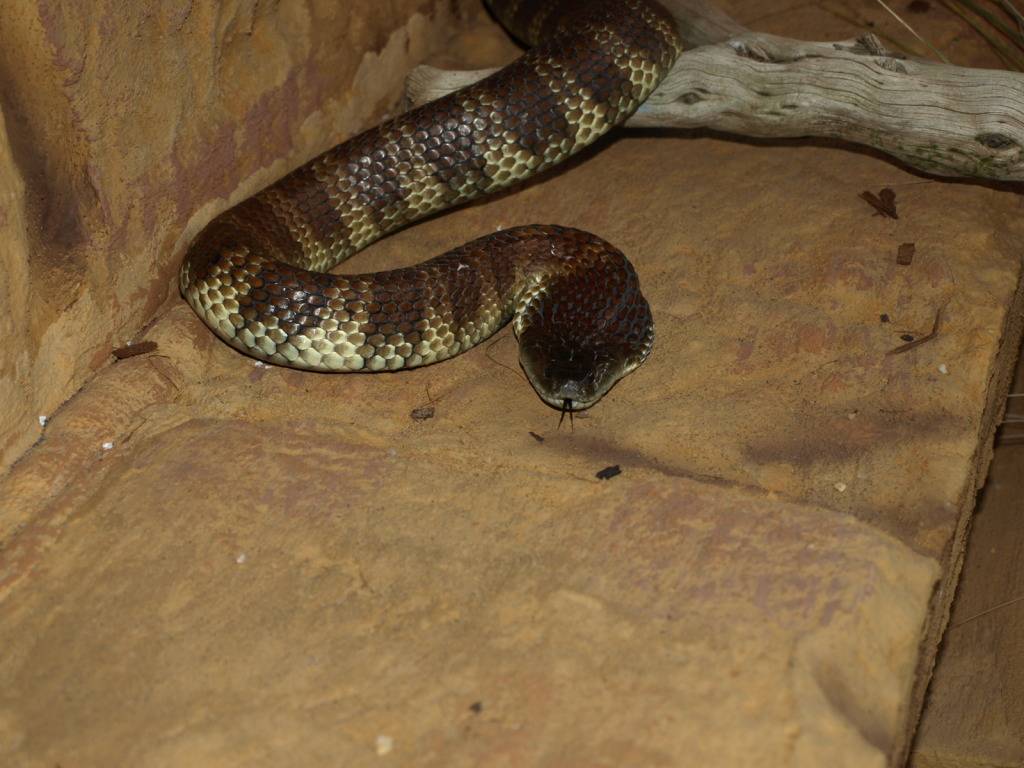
x,y
891,65
745,51
869,45
995,140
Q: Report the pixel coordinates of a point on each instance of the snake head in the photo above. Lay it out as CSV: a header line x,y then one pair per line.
x,y
573,375
581,320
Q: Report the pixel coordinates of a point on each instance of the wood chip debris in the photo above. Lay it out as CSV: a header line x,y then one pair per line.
x,y
918,342
905,254
422,413
609,472
884,202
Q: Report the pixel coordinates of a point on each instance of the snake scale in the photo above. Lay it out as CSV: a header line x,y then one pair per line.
x,y
256,273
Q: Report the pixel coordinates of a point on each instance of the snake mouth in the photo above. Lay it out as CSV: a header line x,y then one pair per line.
x,y
566,403
568,377
570,404
569,396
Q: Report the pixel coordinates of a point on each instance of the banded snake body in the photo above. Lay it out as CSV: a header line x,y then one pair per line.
x,y
256,275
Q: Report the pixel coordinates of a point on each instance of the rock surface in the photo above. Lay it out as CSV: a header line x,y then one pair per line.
x,y
210,562
127,126
359,585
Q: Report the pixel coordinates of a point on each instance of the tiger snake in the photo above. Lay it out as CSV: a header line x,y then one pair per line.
x,y
257,273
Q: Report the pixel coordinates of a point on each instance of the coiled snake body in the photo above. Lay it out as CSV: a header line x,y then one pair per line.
x,y
255,273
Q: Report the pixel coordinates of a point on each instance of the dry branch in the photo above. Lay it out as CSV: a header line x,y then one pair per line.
x,y
945,120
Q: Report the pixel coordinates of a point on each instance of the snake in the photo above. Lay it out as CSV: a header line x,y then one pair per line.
x,y
257,274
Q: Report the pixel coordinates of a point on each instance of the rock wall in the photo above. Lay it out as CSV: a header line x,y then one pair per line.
x,y
16,432
125,127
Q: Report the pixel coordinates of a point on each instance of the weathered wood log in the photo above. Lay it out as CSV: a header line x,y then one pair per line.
x,y
938,118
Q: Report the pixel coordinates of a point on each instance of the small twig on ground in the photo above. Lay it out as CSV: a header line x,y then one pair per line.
x,y
918,342
988,611
1011,34
1008,58
1009,7
913,31
861,23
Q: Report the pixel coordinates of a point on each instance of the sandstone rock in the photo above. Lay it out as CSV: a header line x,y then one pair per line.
x,y
129,126
16,400
255,591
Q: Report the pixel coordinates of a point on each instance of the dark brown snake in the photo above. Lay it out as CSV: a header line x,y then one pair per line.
x,y
255,274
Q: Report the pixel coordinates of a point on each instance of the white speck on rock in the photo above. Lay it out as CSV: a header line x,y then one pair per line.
x,y
42,420
107,445
384,745
841,487
943,369
241,558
